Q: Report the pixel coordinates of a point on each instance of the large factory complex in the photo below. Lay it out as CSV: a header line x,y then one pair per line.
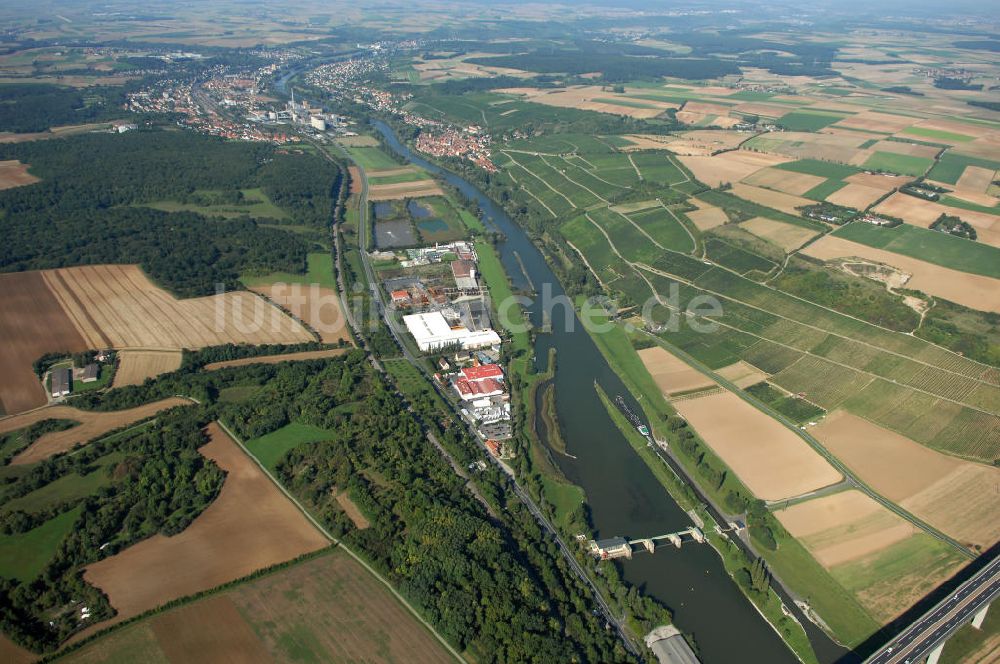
x,y
445,307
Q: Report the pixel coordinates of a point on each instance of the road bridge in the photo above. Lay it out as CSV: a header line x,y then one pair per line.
x,y
926,637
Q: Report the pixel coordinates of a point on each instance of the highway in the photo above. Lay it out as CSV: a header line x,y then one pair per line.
x,y
920,638
364,234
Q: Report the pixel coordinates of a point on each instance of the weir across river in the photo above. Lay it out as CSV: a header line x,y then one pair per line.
x,y
620,547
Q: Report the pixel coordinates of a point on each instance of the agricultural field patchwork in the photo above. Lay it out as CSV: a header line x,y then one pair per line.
x,y
325,609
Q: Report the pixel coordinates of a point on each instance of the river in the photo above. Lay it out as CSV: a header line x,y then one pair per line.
x,y
624,496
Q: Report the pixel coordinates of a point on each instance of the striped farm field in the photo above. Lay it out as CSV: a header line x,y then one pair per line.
x,y
117,306
135,366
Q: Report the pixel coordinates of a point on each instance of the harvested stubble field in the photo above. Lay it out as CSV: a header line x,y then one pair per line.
x,y
804,145
118,306
329,609
593,98
705,142
956,496
671,374
400,190
135,366
769,458
226,542
317,305
730,166
923,213
773,199
706,217
15,174
32,323
857,196
92,424
275,359
844,526
971,290
742,374
787,236
786,181
976,178
876,122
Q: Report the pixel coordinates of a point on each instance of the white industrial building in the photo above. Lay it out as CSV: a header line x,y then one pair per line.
x,y
431,332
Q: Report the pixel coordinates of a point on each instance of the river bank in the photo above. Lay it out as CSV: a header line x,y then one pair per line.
x,y
623,494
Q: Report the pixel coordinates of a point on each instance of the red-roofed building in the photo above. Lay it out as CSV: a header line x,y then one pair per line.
x,y
483,371
470,390
400,297
494,447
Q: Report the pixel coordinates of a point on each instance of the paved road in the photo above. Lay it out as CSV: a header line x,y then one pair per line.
x,y
364,234
939,623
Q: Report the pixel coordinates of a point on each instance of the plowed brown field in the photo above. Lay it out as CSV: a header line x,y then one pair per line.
x,y
15,174
92,424
32,323
250,525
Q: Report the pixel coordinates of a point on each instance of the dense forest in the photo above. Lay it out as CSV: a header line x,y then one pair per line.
x,y
82,214
29,107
